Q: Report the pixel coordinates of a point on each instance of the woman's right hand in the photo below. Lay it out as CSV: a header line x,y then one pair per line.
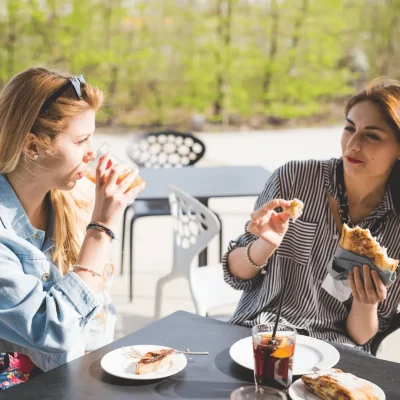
x,y
269,225
111,199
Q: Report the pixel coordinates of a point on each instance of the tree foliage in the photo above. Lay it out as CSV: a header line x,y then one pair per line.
x,y
161,61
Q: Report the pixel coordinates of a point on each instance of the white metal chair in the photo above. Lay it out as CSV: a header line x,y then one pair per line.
x,y
195,225
384,342
165,149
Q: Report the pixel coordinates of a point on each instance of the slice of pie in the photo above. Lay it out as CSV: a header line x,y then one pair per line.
x,y
295,209
154,361
337,385
360,241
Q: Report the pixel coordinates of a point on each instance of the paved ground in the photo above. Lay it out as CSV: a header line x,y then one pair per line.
x,y
266,148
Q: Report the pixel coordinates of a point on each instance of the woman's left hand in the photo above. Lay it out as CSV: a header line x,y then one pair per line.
x,y
372,290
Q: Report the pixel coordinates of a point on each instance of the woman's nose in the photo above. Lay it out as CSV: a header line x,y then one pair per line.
x,y
89,156
354,143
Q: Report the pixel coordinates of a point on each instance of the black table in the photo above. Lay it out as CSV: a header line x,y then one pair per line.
x,y
205,183
205,377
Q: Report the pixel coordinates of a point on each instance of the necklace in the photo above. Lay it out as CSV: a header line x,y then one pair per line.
x,y
378,224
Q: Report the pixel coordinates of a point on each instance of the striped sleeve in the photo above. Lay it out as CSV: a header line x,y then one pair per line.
x,y
272,190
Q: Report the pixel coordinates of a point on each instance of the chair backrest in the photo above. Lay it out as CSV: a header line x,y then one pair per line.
x,y
166,149
381,343
194,225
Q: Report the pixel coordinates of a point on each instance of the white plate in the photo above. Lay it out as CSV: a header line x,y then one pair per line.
x,y
309,352
298,391
115,363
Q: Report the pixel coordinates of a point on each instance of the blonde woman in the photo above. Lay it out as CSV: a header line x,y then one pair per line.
x,y
49,278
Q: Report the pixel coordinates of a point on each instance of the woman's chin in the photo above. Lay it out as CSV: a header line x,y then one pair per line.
x,y
355,170
67,186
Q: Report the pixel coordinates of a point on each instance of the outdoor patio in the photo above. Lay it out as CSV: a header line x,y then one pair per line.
x,y
269,149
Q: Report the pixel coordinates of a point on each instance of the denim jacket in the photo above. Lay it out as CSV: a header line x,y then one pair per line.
x,y
49,317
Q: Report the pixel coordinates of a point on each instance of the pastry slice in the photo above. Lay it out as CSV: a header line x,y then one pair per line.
x,y
295,209
337,385
360,241
154,361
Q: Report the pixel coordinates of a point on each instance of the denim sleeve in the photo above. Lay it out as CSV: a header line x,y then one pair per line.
x,y
100,329
50,321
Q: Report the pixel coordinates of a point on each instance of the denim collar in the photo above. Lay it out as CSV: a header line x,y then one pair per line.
x,y
13,217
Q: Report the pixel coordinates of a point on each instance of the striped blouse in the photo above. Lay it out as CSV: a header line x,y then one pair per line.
x,y
303,256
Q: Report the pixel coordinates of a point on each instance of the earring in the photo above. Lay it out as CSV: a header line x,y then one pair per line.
x,y
36,156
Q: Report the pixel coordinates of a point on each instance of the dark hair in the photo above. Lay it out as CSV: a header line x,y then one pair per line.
x,y
385,94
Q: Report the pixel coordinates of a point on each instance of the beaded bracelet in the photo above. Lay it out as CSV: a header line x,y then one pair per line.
x,y
250,260
101,228
82,268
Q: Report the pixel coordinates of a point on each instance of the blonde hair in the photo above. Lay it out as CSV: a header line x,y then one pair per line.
x,y
20,113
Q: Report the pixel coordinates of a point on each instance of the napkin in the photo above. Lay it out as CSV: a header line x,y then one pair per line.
x,y
344,261
340,289
336,283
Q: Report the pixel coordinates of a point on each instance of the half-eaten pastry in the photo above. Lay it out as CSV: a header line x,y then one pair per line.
x,y
360,241
154,361
334,384
295,209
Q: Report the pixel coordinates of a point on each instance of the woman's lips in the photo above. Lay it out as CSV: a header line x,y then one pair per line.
x,y
353,160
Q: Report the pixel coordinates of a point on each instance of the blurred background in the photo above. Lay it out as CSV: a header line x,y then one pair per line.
x,y
208,64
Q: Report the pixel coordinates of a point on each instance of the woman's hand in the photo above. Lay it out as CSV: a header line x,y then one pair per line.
x,y
113,197
269,225
372,291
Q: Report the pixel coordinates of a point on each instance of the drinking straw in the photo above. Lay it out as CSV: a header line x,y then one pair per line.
x,y
279,309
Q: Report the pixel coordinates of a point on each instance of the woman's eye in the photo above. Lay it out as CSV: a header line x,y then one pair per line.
x,y
349,128
373,136
84,140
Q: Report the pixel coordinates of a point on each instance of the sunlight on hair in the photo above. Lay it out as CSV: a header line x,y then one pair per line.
x,y
381,82
20,113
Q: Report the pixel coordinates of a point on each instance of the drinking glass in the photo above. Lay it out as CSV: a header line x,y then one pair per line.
x,y
257,393
90,170
273,357
273,363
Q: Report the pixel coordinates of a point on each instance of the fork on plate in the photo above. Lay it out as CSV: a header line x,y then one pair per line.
x,y
135,353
